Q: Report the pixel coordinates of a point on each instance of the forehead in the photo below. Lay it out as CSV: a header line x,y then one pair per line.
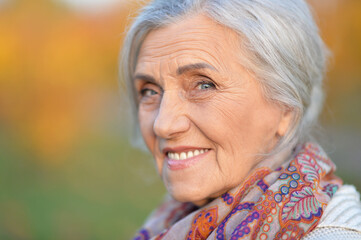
x,y
191,40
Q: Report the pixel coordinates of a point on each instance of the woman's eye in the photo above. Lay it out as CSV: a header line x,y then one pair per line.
x,y
146,92
205,85
149,94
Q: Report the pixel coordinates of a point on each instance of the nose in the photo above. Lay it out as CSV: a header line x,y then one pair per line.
x,y
171,119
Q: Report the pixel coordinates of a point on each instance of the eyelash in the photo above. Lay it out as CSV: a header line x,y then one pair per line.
x,y
145,90
212,85
148,93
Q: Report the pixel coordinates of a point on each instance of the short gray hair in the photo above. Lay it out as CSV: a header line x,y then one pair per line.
x,y
280,38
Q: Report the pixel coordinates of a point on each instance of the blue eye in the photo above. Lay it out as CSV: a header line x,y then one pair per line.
x,y
206,85
148,92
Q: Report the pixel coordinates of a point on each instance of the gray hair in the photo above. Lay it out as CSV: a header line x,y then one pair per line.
x,y
280,38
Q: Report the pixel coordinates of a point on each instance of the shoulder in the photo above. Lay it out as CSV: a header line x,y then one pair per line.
x,y
342,217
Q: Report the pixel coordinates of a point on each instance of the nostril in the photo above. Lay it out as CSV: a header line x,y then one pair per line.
x,y
170,126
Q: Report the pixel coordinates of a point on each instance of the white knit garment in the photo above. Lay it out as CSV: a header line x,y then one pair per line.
x,y
341,219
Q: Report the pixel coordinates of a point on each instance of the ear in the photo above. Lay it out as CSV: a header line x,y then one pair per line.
x,y
285,121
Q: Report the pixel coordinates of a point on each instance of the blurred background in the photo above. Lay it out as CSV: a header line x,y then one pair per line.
x,y
67,170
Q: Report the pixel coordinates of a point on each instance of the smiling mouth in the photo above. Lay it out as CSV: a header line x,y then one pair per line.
x,y
185,155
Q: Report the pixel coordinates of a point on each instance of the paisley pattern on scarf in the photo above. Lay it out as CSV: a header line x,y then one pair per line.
x,y
285,203
203,223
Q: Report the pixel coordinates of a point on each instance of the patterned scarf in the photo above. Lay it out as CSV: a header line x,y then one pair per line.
x,y
282,203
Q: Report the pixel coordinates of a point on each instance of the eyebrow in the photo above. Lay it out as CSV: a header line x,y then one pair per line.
x,y
180,70
145,77
193,66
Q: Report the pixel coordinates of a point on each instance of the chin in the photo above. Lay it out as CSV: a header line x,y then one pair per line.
x,y
192,194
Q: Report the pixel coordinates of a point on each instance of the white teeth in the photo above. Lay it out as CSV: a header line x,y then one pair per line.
x,y
196,153
185,155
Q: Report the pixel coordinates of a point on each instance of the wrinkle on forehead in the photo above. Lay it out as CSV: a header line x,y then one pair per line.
x,y
195,37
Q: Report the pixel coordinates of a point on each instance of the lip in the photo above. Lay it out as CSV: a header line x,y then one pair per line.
x,y
182,164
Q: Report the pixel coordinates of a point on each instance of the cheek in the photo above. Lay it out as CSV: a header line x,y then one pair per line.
x,y
222,117
146,122
248,123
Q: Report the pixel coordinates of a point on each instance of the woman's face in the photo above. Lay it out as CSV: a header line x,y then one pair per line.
x,y
201,114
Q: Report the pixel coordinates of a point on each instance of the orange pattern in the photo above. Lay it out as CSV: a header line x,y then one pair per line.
x,y
203,223
284,203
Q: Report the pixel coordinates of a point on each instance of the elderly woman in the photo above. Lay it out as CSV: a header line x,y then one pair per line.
x,y
226,93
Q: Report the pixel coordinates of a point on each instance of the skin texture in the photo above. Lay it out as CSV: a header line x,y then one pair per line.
x,y
192,91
